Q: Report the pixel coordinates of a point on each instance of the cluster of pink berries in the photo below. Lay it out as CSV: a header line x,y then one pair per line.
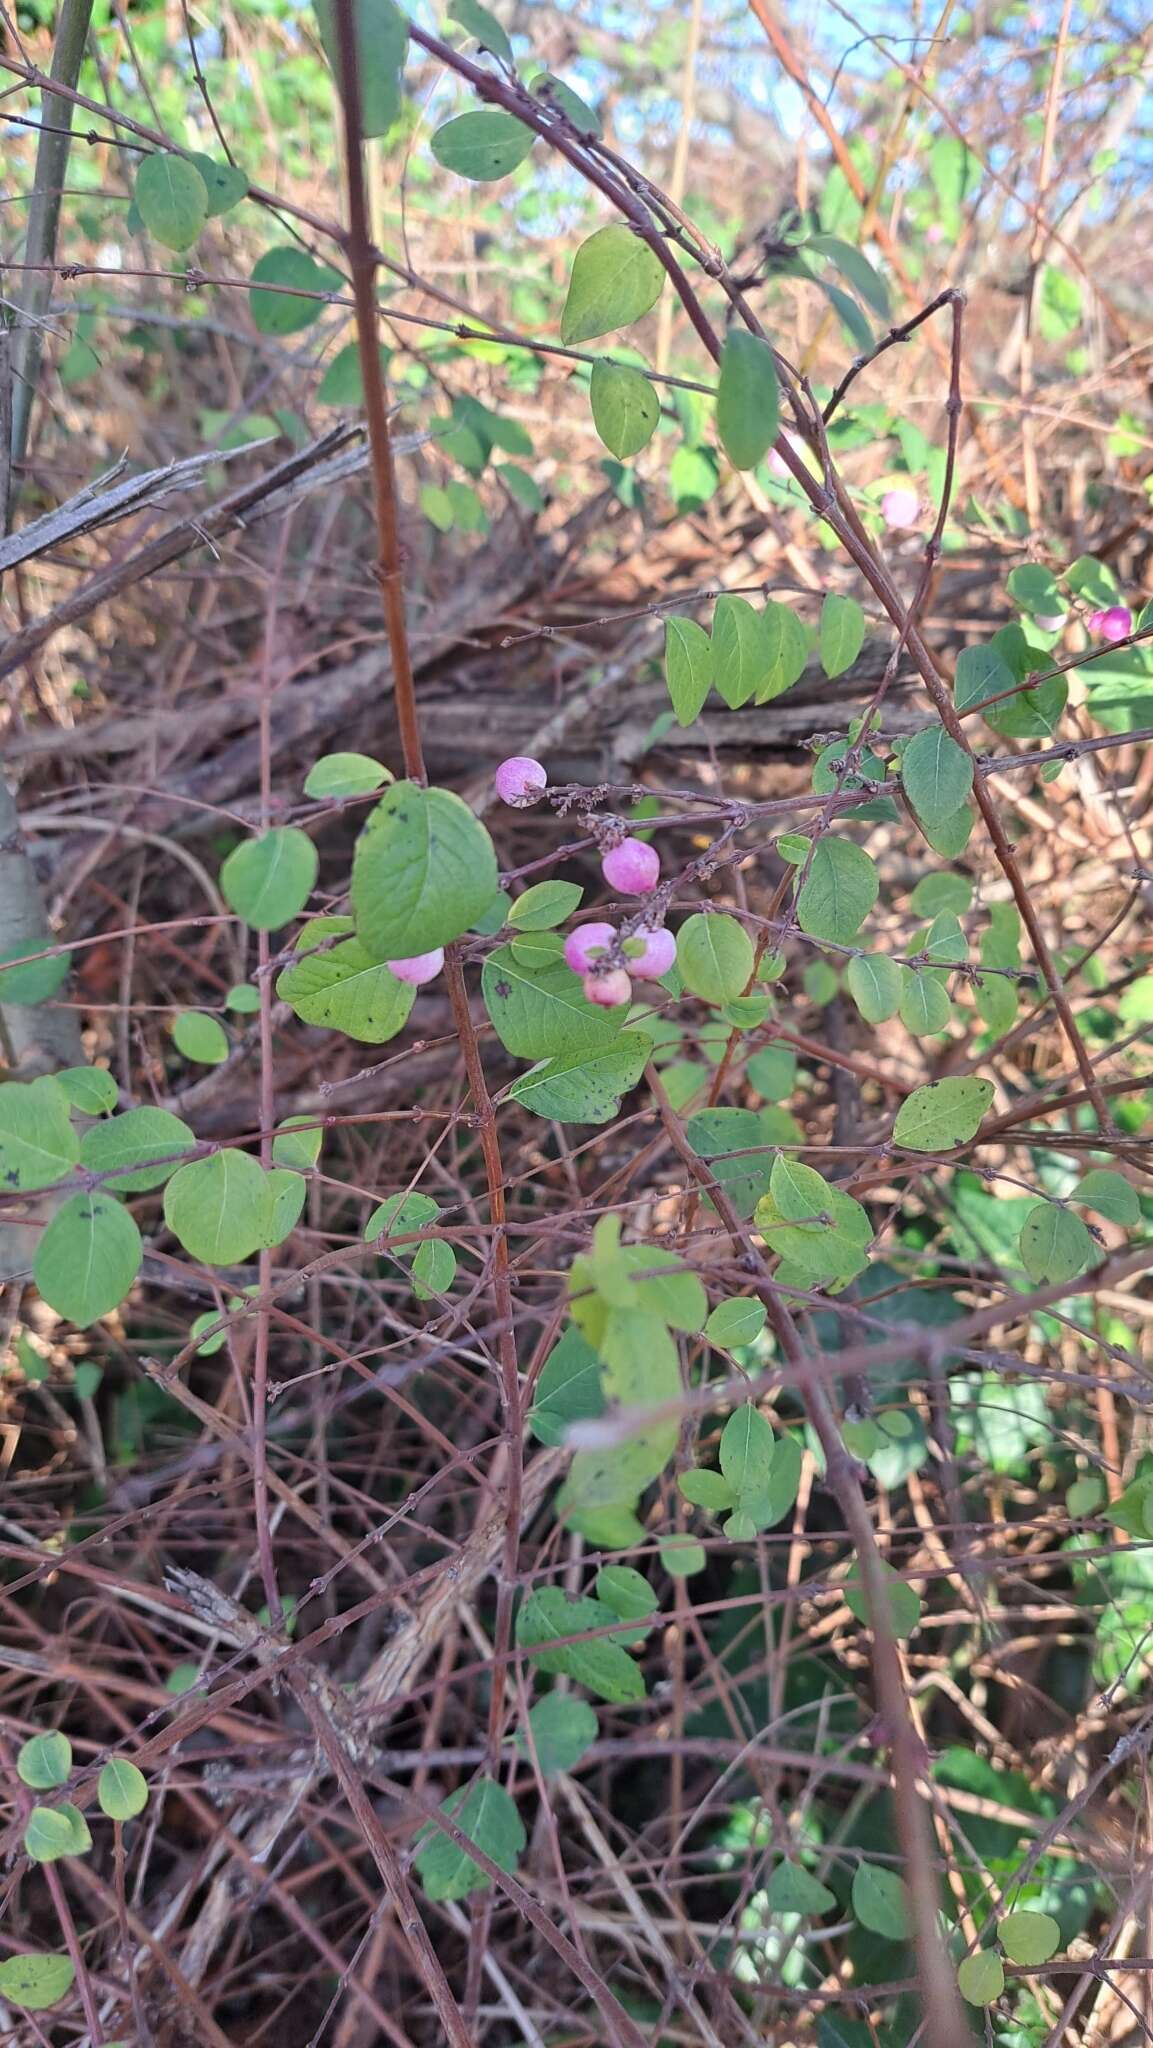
x,y
632,868
1114,624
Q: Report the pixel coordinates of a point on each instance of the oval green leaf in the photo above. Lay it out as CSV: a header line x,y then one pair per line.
x,y
341,775
122,1789
625,408
879,1901
171,199
715,956
484,146
36,1982
38,1145
981,1978
218,1207
268,881
1029,1937
688,667
1055,1244
942,1115
125,1146
88,1257
54,1831
423,870
200,1037
937,775
44,1761
616,277
842,633
838,892
748,398
291,272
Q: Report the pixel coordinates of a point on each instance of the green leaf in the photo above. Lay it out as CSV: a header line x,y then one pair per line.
x,y
200,1037
36,1982
773,1071
842,633
553,92
476,21
171,199
122,1789
838,892
540,1012
584,1087
625,408
399,1215
734,1323
924,1006
748,1447
748,398
942,1115
1035,590
982,673
689,668
875,986
243,998
938,892
981,1977
268,881
91,1090
485,1813
627,1594
433,1268
44,1761
879,1901
523,487
951,836
849,314
343,384
224,184
1133,1509
715,956
545,905
792,1889
38,1145
1055,1244
284,1194
293,272
822,1230
381,45
787,650
728,1139
856,269
297,1142
681,1556
742,657
1029,1937
218,1207
705,1489
616,278
568,1390
36,980
54,1831
424,868
937,775
601,1665
483,146
904,1606
1107,1194
347,991
341,775
126,1146
562,1730
87,1258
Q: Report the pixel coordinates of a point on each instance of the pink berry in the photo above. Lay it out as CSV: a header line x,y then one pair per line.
x,y
520,780
1049,623
421,967
588,941
1116,623
658,956
900,508
934,232
608,989
777,464
632,868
